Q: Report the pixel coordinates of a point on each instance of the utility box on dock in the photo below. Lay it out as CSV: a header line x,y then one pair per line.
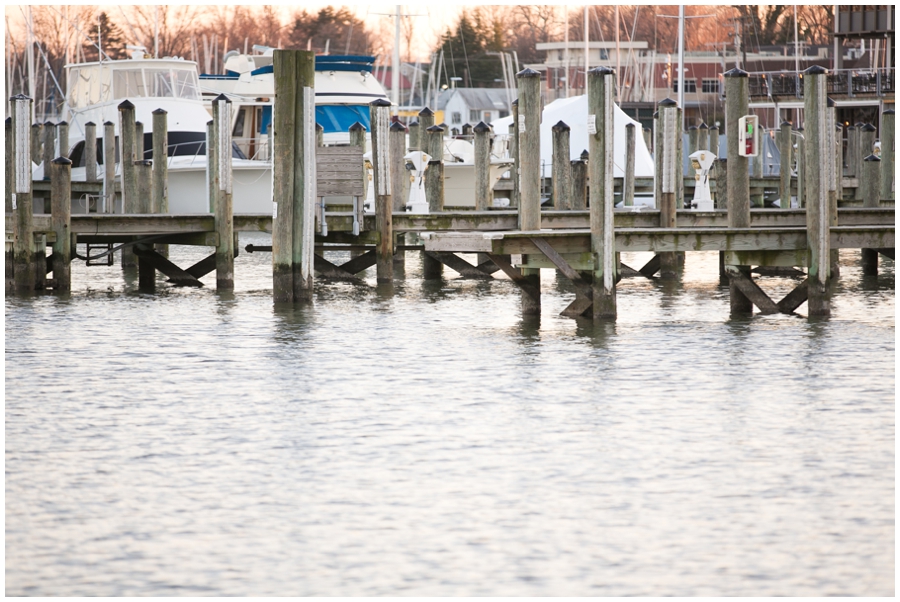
x,y
748,136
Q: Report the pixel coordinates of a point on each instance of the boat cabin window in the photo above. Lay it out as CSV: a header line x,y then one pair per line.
x,y
128,83
87,87
163,83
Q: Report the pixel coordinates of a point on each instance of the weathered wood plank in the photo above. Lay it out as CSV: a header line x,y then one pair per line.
x,y
751,290
326,269
176,275
454,262
651,267
547,249
360,262
795,298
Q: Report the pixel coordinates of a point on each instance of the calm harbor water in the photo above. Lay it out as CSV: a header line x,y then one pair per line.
x,y
428,440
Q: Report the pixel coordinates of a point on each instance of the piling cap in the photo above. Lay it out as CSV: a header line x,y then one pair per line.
x,y
426,112
48,123
647,130
160,112
736,73
126,105
655,114
108,123
90,123
66,123
209,123
18,97
413,124
146,162
872,158
602,71
560,126
435,129
888,112
526,72
703,125
868,127
9,120
831,103
357,127
221,97
61,161
481,127
398,127
693,127
816,70
851,127
786,123
380,102
667,102
800,129
585,155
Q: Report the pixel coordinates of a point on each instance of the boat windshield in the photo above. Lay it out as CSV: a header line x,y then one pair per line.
x,y
92,85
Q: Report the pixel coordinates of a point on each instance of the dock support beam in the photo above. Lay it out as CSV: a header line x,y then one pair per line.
x,y
887,155
224,218
293,176
817,215
562,168
737,93
25,260
601,88
380,118
529,176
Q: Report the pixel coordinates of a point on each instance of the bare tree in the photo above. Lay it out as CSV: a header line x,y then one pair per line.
x,y
174,24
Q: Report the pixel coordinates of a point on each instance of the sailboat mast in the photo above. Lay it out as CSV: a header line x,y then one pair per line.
x,y
680,76
395,65
587,47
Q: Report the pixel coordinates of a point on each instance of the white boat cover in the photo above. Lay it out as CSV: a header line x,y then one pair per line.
x,y
573,112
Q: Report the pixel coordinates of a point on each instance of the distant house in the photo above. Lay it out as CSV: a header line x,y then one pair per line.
x,y
471,105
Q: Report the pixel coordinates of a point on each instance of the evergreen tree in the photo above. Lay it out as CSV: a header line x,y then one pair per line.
x,y
111,39
465,54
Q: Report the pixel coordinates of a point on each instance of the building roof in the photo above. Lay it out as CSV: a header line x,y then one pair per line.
x,y
482,99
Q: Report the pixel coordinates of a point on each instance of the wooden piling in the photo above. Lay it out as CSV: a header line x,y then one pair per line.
x,y
380,118
817,220
669,174
679,166
887,155
693,140
721,169
579,182
160,161
283,165
467,130
529,175
109,167
562,167
714,140
829,164
8,192
601,87
852,151
839,162
871,185
48,150
90,153
224,208
628,182
483,192
62,139
703,136
143,175
320,135
126,161
399,183
514,153
801,171
36,142
648,138
25,259
866,135
139,141
657,161
358,139
212,166
785,146
414,132
737,95
434,175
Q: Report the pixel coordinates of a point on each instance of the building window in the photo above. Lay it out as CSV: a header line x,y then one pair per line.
x,y
690,86
456,118
710,86
473,116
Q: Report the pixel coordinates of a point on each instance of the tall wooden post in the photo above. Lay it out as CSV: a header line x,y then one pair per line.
x,y
648,138
358,139
514,152
304,193
714,140
679,163
866,135
10,183
109,167
839,161
887,155
143,175
129,180
320,135
284,65
62,139
737,94
579,182
399,183
61,220
785,146
90,153
658,154
628,182
529,174
871,190
37,138
601,87
434,175
212,165
432,269
817,221
483,192
829,163
801,164
669,174
693,139
224,208
562,168
160,161
380,118
414,132
139,141
852,150
703,136
48,152
24,256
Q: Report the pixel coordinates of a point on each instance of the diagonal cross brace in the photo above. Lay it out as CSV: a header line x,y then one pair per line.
x,y
455,262
515,275
176,275
760,299
584,294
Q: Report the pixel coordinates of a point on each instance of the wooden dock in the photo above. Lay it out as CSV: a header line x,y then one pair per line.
x,y
582,244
